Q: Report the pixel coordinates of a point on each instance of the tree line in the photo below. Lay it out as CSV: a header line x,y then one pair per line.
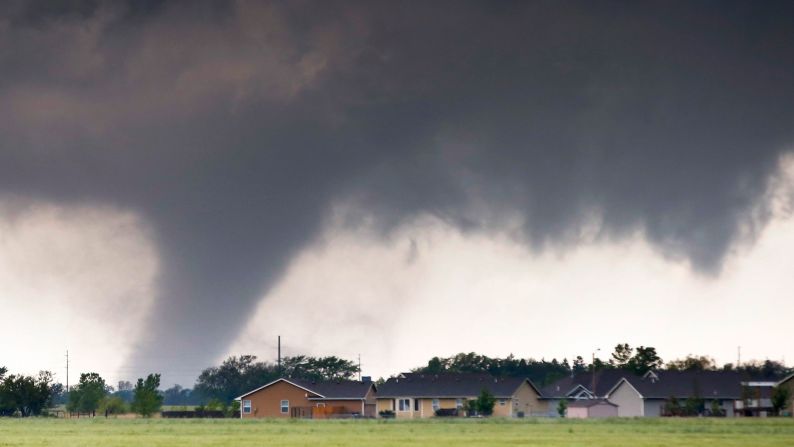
x,y
218,386
636,360
22,395
215,389
544,372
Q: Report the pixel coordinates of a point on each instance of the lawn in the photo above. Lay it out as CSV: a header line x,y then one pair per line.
x,y
529,432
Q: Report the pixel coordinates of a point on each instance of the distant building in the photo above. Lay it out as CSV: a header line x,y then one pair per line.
x,y
295,398
756,398
584,386
654,393
415,395
591,408
788,382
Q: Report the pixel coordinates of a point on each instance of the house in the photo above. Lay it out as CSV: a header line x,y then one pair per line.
x,y
591,408
756,398
415,395
583,386
654,393
295,398
788,383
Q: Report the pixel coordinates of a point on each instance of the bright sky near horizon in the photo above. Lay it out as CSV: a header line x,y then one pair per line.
x,y
83,279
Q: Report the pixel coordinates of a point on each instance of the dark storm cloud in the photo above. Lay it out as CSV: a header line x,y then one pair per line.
x,y
233,127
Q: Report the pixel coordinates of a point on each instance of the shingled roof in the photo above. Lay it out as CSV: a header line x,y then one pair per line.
x,y
684,384
449,385
342,389
332,390
605,379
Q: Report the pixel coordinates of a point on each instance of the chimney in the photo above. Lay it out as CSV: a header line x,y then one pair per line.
x,y
366,379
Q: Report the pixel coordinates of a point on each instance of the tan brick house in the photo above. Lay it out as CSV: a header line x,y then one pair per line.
x,y
414,395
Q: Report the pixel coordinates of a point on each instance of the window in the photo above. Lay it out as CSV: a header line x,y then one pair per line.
x,y
246,407
284,406
436,405
404,405
502,402
416,404
458,403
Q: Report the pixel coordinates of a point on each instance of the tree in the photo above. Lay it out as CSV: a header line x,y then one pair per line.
x,y
434,366
58,394
485,402
716,409
471,407
578,366
621,356
644,360
599,364
112,405
541,372
694,404
692,363
766,370
318,368
780,398
638,361
562,408
233,377
87,394
25,395
672,407
747,396
176,395
147,400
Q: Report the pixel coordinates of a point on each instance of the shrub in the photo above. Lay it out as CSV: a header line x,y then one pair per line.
x,y
485,402
780,398
715,409
111,405
562,408
471,407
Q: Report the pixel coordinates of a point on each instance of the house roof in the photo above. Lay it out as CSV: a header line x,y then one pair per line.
x,y
587,403
605,379
785,379
684,384
450,385
330,390
342,389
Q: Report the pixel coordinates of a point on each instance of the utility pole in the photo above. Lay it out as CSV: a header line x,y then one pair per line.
x,y
738,357
593,389
67,370
359,367
279,355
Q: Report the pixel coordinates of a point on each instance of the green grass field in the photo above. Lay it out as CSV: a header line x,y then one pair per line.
x,y
529,432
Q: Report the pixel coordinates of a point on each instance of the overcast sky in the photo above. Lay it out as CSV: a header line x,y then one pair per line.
x,y
181,181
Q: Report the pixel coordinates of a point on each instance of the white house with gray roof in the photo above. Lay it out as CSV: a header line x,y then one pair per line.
x,y
647,396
